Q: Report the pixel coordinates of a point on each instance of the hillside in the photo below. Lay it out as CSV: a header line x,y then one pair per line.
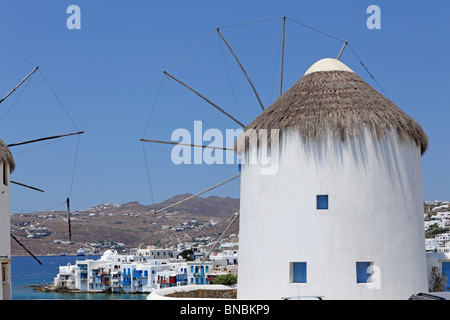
x,y
123,226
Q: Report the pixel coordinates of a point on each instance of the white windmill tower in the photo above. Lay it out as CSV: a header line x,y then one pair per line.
x,y
7,166
340,212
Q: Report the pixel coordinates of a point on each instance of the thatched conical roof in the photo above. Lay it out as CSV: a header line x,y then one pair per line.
x,y
6,156
330,97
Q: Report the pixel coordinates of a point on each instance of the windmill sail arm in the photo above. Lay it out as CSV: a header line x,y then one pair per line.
x,y
186,144
20,83
25,248
242,68
46,138
26,186
196,195
206,99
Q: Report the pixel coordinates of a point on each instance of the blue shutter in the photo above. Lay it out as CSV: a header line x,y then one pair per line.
x,y
361,272
322,202
446,273
299,272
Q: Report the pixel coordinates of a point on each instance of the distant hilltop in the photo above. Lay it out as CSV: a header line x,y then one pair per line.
x,y
124,226
212,206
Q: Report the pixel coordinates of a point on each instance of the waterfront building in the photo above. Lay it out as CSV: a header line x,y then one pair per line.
x,y
334,193
440,260
197,271
230,256
132,273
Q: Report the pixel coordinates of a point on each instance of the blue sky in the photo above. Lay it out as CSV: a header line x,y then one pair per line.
x,y
106,76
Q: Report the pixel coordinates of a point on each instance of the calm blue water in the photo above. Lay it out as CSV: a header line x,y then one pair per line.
x,y
25,271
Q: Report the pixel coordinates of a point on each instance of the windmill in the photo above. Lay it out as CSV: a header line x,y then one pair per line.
x,y
221,110
24,82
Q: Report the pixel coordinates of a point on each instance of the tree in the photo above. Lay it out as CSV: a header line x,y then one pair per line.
x,y
438,280
226,279
187,255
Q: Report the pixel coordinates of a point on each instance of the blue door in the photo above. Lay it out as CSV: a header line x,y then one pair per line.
x,y
446,272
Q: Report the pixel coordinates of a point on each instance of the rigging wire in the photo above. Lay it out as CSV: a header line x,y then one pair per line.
x,y
74,166
276,68
153,105
192,49
229,79
314,29
143,134
17,54
187,103
57,98
148,172
252,22
357,57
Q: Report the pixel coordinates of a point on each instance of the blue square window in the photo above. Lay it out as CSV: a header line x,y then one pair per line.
x,y
299,272
322,202
362,272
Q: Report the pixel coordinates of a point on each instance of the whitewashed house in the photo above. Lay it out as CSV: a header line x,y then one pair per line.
x,y
440,260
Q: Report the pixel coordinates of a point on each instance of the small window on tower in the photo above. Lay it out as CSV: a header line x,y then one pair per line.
x,y
298,272
322,202
363,272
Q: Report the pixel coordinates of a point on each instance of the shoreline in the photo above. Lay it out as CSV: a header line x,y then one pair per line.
x,y
50,288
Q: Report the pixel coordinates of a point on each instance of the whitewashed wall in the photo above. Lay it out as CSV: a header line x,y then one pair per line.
x,y
5,247
375,214
5,241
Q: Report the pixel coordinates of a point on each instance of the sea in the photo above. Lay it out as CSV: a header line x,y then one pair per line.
x,y
26,272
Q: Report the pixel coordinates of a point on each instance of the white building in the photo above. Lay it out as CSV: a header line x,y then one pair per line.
x,y
197,272
155,253
337,199
132,273
230,256
440,260
7,165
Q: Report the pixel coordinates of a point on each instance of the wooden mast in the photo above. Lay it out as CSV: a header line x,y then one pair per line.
x,y
196,195
282,56
242,68
206,99
186,144
26,186
15,88
342,50
68,219
46,138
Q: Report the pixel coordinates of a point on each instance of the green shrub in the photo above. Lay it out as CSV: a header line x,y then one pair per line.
x,y
226,279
